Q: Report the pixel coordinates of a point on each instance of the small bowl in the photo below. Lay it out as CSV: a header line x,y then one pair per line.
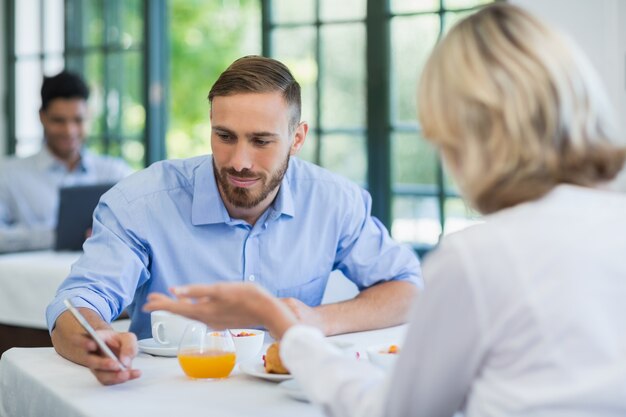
x,y
380,356
248,343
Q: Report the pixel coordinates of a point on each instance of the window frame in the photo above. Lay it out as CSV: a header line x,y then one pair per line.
x,y
154,73
380,125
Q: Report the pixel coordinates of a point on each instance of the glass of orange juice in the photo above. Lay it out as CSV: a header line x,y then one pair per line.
x,y
205,353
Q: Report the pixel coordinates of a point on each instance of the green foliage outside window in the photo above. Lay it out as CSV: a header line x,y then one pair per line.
x,y
205,37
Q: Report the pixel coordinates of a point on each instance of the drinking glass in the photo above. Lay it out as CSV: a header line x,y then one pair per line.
x,y
205,353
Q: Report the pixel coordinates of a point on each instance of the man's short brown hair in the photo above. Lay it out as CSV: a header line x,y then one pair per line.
x,y
257,74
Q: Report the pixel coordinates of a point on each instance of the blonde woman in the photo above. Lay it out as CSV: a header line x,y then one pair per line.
x,y
524,315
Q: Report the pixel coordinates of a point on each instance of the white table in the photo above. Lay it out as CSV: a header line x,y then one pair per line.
x,y
28,282
38,382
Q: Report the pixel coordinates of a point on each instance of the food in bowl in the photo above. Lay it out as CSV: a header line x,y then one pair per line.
x,y
244,334
248,343
272,362
392,349
384,356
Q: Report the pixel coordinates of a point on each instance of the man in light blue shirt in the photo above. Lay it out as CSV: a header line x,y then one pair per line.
x,y
250,212
29,187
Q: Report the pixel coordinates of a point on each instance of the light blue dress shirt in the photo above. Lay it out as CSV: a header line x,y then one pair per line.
x,y
29,194
167,225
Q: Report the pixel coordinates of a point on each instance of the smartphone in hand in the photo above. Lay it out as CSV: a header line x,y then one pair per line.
x,y
92,333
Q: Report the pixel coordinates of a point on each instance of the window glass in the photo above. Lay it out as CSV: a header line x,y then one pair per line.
x,y
413,160
464,4
416,220
342,10
343,76
295,47
27,103
53,64
205,38
53,20
459,215
131,31
92,22
133,150
413,38
113,95
451,18
421,194
414,6
27,27
345,155
308,151
290,11
94,75
133,115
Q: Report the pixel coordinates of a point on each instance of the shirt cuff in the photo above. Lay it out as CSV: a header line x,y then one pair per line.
x,y
343,385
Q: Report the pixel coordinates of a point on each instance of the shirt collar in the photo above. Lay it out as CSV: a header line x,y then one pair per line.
x,y
284,200
208,207
48,162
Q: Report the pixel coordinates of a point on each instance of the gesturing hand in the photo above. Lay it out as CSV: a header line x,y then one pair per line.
x,y
226,305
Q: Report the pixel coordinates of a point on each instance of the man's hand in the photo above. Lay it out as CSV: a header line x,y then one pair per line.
x,y
305,314
105,369
73,343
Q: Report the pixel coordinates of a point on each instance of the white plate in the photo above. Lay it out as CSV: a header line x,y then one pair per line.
x,y
153,347
257,370
293,389
341,344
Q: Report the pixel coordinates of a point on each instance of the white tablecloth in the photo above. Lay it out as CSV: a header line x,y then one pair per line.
x,y
38,382
28,282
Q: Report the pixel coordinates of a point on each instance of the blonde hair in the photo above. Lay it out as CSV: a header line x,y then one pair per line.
x,y
515,110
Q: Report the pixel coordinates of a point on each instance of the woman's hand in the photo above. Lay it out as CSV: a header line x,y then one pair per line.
x,y
226,305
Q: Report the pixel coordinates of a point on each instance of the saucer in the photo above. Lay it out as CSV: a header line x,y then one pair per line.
x,y
153,347
293,389
257,370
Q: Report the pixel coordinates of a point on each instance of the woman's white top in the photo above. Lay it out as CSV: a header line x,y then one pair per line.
x,y
524,315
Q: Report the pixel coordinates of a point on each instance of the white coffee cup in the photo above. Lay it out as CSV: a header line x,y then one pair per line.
x,y
168,328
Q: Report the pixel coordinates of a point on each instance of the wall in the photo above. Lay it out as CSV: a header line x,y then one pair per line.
x,y
597,27
3,91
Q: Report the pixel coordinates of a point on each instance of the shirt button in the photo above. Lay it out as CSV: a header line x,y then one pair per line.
x,y
251,278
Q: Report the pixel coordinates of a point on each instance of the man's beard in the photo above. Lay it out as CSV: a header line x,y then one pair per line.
x,y
244,197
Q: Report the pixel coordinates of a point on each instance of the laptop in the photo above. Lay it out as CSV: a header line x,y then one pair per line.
x,y
76,206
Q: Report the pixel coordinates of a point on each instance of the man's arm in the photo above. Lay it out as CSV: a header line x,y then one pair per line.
x,y
71,341
382,305
101,283
387,273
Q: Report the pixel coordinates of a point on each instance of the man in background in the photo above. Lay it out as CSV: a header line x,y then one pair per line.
x,y
29,187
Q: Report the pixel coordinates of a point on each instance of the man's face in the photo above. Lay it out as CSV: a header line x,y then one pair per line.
x,y
64,125
251,145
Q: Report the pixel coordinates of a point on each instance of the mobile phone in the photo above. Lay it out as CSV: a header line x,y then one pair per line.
x,y
83,322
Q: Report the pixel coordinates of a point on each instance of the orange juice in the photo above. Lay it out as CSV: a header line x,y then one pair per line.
x,y
209,364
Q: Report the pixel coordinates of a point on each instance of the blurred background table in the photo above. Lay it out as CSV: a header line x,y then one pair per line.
x,y
28,281
38,382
